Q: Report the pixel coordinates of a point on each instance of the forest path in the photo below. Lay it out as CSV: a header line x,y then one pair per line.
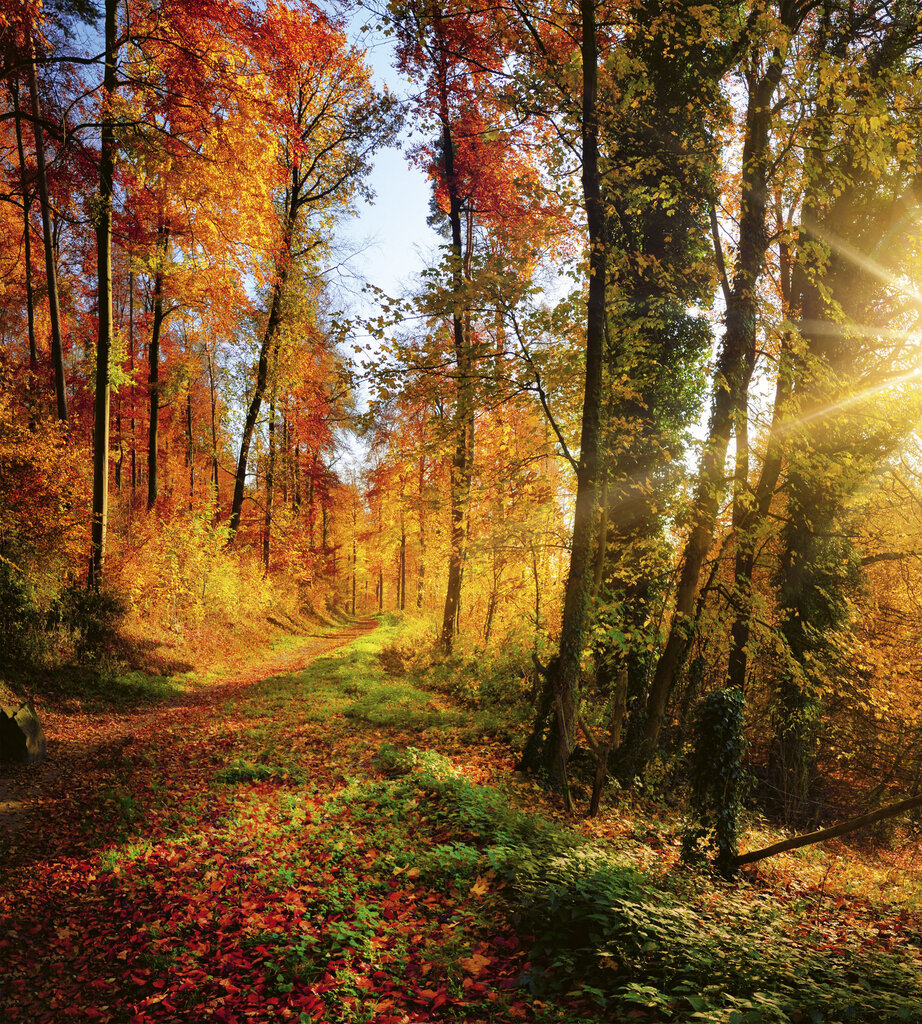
x,y
249,853
29,793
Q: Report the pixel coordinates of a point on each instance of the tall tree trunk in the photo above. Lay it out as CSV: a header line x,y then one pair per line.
x,y
403,563
421,557
262,377
134,436
311,510
120,442
153,377
731,395
564,672
266,349
602,541
462,458
749,523
214,429
355,513
54,312
13,84
270,485
286,457
104,301
191,447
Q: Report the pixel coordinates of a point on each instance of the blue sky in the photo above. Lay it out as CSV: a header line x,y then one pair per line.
x,y
392,230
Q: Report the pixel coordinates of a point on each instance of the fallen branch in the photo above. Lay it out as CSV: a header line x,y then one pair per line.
x,y
852,825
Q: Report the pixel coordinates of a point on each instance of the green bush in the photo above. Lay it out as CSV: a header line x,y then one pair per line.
x,y
91,617
19,617
715,771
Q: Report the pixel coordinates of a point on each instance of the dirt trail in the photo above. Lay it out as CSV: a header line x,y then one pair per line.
x,y
25,788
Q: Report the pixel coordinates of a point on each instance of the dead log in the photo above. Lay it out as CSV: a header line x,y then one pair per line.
x,y
852,825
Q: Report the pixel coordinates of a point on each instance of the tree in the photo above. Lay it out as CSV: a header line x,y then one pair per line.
x,y
332,123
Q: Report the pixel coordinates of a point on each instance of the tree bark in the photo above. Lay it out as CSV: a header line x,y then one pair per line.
x,y
54,311
751,521
214,430
612,740
462,458
191,447
134,439
564,672
262,377
421,554
13,84
153,377
104,301
403,563
270,485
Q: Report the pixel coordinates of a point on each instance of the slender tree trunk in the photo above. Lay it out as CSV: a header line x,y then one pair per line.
x,y
120,442
354,552
311,511
493,599
843,828
612,739
214,429
154,366
462,458
403,563
602,542
296,473
749,524
270,485
104,293
421,557
134,436
286,458
13,84
262,377
191,447
536,575
266,350
54,312
564,672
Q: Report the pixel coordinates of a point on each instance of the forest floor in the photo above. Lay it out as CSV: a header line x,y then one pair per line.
x,y
314,836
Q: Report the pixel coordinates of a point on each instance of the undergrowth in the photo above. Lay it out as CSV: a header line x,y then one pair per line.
x,y
315,849
681,946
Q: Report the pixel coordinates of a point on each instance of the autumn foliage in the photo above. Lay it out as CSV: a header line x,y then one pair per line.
x,y
635,457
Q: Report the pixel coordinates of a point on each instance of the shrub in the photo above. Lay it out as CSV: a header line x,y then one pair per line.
x,y
91,617
716,774
19,616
